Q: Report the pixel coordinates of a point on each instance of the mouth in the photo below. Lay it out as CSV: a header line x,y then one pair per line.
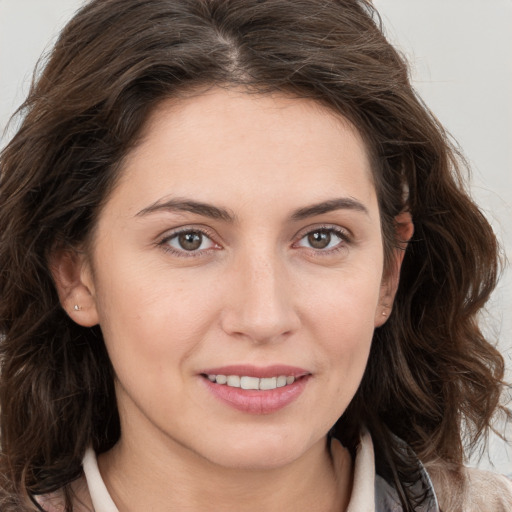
x,y
256,390
254,383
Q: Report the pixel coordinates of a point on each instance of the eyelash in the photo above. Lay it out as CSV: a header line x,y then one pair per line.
x,y
183,253
342,234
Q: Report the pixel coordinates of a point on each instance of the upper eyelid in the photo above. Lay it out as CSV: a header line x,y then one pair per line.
x,y
326,227
171,233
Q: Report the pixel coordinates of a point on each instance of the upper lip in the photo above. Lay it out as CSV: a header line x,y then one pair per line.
x,y
257,371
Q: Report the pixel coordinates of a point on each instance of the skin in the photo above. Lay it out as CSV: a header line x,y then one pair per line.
x,y
255,292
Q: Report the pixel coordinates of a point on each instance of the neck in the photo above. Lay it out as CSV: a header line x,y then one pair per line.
x,y
173,478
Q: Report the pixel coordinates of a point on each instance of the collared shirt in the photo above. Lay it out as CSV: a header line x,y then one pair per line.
x,y
370,492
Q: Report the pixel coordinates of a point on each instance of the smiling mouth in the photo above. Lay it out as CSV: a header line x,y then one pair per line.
x,y
256,390
252,383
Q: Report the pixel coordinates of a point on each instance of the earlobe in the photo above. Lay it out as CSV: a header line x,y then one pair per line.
x,y
73,281
404,229
383,309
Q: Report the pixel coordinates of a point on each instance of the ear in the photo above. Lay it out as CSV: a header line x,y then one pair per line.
x,y
404,229
73,279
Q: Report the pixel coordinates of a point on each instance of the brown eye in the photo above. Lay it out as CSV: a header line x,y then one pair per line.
x,y
319,239
324,239
190,241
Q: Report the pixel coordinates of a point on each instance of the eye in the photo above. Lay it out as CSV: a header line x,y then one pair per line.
x,y
189,241
322,239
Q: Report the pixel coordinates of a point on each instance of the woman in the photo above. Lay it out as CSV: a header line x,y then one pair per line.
x,y
238,260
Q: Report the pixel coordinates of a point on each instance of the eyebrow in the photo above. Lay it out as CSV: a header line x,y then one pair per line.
x,y
342,203
186,205
215,212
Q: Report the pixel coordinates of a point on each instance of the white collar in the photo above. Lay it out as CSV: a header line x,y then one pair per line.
x,y
100,497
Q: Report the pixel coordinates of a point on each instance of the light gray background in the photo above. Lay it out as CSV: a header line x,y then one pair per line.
x,y
461,57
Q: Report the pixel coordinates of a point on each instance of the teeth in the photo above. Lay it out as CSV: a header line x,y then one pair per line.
x,y
244,382
270,383
221,379
233,381
281,381
249,383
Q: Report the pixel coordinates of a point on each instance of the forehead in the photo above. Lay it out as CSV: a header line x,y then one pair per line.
x,y
220,112
226,141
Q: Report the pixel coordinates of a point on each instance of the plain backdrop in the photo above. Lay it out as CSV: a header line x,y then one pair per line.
x,y
461,63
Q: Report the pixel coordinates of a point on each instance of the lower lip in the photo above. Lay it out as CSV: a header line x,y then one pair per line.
x,y
257,402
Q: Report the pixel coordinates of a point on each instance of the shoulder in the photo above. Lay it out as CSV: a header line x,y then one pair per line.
x,y
486,491
471,490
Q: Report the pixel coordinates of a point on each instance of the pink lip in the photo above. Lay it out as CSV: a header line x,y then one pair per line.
x,y
253,401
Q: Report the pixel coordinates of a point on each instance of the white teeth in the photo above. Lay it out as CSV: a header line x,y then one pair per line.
x,y
233,381
270,383
281,381
249,383
221,379
244,382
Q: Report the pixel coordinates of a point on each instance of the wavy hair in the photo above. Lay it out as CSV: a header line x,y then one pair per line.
x,y
431,374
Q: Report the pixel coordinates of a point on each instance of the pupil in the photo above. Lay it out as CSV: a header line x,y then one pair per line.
x,y
319,239
190,241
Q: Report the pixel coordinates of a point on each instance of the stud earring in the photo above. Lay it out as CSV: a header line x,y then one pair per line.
x,y
77,307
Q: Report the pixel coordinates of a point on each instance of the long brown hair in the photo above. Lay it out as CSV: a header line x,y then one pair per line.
x,y
431,373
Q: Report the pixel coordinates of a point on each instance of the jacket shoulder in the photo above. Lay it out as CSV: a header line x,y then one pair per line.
x,y
487,491
471,489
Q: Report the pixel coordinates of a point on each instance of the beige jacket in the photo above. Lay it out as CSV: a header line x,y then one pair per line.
x,y
479,491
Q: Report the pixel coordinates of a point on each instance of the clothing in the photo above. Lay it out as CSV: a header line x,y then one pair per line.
x,y
473,491
479,491
370,493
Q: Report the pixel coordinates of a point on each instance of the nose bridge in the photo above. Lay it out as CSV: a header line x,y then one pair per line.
x,y
262,308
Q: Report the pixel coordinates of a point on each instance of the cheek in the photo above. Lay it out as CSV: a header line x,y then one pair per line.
x,y
152,316
346,301
342,320
347,334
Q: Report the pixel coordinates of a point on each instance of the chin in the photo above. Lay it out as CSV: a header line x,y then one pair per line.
x,y
257,452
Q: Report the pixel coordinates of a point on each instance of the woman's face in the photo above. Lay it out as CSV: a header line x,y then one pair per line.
x,y
242,243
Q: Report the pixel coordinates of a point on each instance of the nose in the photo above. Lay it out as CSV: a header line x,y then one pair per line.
x,y
261,305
